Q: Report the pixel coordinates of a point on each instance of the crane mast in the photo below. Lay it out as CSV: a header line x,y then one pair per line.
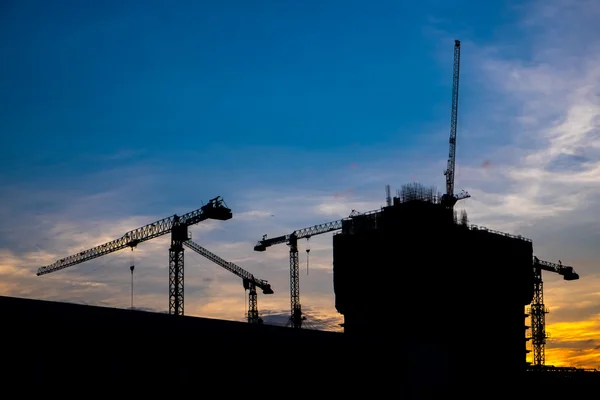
x,y
538,309
248,280
176,225
449,199
292,241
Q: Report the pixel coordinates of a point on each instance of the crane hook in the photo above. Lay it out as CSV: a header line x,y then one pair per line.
x,y
132,260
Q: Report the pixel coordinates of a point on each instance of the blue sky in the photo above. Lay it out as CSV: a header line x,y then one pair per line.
x,y
224,82
114,116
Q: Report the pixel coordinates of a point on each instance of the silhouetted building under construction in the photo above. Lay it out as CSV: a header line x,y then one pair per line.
x,y
426,288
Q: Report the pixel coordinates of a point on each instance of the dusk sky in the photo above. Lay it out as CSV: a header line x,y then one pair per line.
x,y
117,114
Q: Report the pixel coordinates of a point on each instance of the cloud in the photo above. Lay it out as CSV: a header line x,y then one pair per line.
x,y
574,343
253,215
549,164
540,169
344,193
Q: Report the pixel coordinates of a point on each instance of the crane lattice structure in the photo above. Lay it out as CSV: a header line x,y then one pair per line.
x,y
176,225
248,280
292,241
449,199
538,310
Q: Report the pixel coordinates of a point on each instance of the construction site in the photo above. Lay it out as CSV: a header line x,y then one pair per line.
x,y
433,307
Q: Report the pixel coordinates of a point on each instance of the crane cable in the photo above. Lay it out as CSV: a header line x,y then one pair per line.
x,y
307,253
131,268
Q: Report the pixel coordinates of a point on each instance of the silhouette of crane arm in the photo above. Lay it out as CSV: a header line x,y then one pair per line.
x,y
231,267
566,271
318,229
130,239
300,234
215,209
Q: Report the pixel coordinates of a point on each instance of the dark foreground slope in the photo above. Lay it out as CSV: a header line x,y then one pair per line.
x,y
67,349
57,344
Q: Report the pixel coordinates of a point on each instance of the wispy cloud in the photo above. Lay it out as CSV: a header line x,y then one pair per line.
x,y
545,181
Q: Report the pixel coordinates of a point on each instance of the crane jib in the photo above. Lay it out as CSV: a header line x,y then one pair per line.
x,y
231,267
214,209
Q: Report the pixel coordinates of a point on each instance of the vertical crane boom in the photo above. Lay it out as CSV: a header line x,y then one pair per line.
x,y
538,309
176,225
248,280
449,198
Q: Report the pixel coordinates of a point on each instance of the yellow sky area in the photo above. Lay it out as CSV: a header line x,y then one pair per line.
x,y
573,324
574,344
222,308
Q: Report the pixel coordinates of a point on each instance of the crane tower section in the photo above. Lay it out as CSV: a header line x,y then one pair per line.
x,y
449,199
538,309
291,240
248,280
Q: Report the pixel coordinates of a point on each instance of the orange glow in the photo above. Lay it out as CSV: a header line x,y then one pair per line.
x,y
573,324
573,344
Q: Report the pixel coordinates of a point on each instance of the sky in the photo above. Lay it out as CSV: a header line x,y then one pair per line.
x,y
117,114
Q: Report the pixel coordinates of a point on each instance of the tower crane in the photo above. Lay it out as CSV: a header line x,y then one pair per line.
x,y
248,280
176,225
292,241
449,199
538,310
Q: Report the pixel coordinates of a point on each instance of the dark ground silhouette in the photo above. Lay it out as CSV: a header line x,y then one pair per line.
x,y
67,349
